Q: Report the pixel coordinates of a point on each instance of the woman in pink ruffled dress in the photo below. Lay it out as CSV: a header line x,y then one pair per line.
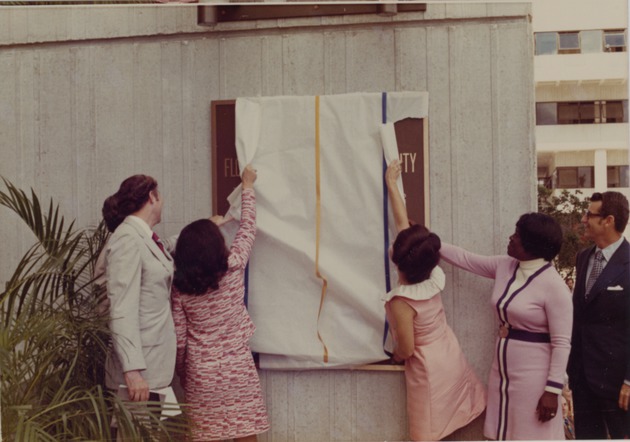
x,y
443,392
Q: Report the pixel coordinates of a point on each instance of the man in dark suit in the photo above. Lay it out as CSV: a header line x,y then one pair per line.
x,y
599,363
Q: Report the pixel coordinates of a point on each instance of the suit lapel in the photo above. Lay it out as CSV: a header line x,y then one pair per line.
x,y
165,259
617,265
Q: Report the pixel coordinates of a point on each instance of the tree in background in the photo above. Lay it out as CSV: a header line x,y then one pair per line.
x,y
567,209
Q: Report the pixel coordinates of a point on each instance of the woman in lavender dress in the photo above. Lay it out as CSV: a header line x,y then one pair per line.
x,y
533,308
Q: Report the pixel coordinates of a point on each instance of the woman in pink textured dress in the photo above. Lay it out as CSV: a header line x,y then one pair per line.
x,y
534,311
443,392
214,361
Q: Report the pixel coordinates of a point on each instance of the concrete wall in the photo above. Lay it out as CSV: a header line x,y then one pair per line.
x,y
92,95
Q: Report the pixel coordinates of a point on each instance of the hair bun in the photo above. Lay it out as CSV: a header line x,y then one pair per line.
x,y
131,196
111,213
416,253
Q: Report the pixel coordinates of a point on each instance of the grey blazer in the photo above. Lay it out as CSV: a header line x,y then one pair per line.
x,y
139,278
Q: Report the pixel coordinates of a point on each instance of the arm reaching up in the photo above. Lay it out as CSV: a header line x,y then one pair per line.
x,y
395,198
244,240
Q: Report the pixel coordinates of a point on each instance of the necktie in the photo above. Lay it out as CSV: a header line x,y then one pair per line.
x,y
598,266
159,242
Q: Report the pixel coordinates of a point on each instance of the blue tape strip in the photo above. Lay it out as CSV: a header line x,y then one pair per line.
x,y
388,285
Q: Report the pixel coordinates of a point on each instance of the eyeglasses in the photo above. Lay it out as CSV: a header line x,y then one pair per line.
x,y
590,215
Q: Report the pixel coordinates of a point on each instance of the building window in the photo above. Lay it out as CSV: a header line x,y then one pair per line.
x,y
613,112
568,113
618,176
614,41
574,177
546,43
580,42
591,41
577,112
568,43
546,114
582,112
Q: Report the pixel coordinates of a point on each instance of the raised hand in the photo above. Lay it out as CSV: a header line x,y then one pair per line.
x,y
248,177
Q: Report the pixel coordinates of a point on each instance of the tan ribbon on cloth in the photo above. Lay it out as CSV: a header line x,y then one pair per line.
x,y
318,225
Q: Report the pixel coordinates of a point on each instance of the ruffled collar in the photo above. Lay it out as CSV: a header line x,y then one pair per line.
x,y
421,291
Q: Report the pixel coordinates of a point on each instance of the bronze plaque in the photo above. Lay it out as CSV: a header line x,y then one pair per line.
x,y
410,137
225,172
410,140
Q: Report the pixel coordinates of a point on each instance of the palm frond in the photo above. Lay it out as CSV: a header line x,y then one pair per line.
x,y
54,337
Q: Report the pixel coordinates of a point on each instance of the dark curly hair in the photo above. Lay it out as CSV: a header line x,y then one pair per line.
x,y
201,258
416,252
541,235
131,196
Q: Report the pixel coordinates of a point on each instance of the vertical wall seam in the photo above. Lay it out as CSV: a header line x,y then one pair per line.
x,y
164,147
453,168
73,133
38,118
135,62
93,147
496,148
19,139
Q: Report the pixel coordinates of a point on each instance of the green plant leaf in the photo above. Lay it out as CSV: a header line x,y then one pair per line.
x,y
54,336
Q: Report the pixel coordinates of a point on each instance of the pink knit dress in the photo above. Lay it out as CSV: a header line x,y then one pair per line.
x,y
443,391
213,356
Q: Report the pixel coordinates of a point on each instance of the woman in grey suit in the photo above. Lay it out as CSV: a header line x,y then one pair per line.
x,y
139,271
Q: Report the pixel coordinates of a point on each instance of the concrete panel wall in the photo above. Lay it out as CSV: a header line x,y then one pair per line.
x,y
82,107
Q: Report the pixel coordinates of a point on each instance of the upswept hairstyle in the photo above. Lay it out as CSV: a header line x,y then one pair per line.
x,y
131,196
615,204
201,258
416,252
541,235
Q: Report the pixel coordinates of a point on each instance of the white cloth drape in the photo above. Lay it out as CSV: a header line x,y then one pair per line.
x,y
334,144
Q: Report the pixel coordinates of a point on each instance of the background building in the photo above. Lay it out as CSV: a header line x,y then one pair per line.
x,y
581,75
